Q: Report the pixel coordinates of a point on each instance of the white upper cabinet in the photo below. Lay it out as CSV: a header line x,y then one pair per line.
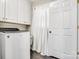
x,y
11,10
15,11
24,11
2,3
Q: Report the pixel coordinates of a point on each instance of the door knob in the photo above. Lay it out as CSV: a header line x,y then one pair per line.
x,y
50,31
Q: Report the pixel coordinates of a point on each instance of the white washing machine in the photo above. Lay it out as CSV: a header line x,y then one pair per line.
x,y
15,45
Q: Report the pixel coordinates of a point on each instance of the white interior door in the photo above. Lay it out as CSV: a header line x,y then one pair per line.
x,y
11,10
55,31
62,41
70,29
2,6
39,29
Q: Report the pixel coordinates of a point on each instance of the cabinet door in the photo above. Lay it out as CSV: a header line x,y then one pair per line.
x,y
24,11
2,4
11,10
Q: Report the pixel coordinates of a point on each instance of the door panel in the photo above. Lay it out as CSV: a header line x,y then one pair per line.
x,y
55,38
70,29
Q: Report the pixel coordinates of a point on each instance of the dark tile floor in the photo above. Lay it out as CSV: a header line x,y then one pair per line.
x,y
38,56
